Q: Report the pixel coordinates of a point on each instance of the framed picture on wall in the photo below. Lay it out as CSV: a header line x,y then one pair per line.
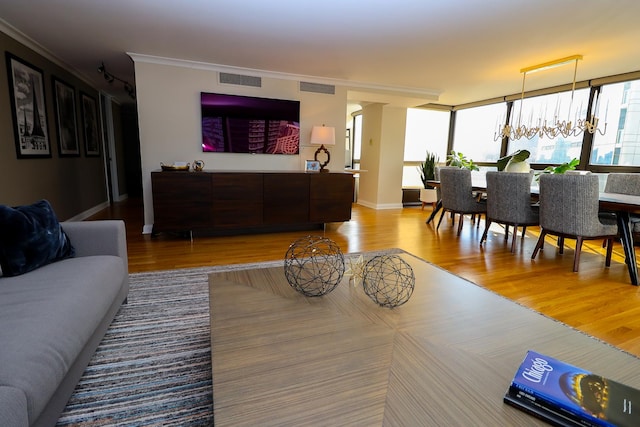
x,y
29,114
66,125
90,125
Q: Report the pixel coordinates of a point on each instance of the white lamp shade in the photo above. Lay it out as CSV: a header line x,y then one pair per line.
x,y
323,135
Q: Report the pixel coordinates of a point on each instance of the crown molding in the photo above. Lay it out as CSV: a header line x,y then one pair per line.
x,y
349,84
30,43
22,38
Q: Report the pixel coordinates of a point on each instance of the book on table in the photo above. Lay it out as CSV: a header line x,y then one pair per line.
x,y
566,395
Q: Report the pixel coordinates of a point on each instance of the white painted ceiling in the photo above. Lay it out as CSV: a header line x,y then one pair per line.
x,y
458,50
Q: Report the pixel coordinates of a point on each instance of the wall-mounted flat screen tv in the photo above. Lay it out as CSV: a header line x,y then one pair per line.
x,y
245,124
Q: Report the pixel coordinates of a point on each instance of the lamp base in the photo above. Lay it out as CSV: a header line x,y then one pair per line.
x,y
322,149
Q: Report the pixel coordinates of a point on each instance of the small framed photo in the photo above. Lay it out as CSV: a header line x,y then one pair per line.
x,y
90,125
26,88
312,166
65,103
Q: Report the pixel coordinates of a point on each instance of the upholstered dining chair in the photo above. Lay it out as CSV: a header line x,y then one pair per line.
x,y
509,203
625,183
569,207
457,195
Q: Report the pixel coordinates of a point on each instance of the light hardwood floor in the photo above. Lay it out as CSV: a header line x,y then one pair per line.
x,y
597,300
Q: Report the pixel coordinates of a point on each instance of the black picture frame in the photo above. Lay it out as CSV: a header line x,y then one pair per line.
x,y
90,125
28,108
66,121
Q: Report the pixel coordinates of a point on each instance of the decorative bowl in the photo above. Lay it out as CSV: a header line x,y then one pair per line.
x,y
180,166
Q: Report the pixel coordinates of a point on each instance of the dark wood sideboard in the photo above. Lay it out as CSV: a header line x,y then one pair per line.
x,y
222,202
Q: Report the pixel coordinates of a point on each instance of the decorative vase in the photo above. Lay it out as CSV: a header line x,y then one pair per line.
x,y
521,167
428,195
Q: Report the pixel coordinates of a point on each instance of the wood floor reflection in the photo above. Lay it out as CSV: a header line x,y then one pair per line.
x,y
597,300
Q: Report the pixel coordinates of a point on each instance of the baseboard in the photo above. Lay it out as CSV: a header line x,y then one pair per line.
x,y
379,206
390,206
90,212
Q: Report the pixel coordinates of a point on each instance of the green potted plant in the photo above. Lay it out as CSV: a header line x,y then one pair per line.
x,y
567,166
515,162
459,160
427,171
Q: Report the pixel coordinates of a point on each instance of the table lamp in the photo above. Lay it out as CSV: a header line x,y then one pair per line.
x,y
323,135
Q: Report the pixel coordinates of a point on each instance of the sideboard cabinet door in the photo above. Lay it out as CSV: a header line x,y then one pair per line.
x,y
236,200
286,198
181,201
331,197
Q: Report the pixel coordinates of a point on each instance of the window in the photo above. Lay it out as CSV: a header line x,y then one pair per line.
x,y
426,130
618,108
475,130
357,141
552,108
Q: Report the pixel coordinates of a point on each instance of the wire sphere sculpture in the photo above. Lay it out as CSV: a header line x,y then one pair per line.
x,y
314,265
388,280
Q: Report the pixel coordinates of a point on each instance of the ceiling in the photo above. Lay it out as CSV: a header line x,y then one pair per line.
x,y
448,52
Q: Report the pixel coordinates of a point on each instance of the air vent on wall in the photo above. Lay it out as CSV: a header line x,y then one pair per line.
x,y
239,79
317,88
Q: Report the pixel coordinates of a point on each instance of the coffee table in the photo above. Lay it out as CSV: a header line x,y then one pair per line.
x,y
446,357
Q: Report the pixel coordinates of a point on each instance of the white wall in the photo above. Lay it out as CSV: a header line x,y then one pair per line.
x,y
394,127
168,97
370,155
383,135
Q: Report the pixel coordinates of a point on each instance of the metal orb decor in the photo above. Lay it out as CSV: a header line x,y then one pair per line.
x,y
388,280
314,265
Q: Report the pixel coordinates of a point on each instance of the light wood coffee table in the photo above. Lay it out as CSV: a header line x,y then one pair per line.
x,y
446,357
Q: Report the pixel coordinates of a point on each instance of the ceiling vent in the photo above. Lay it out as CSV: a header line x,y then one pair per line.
x,y
239,79
317,88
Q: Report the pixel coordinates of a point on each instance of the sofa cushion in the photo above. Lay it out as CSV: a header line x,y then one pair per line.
x,y
30,237
47,317
13,407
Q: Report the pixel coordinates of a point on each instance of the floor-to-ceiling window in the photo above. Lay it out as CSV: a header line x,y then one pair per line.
x,y
474,132
619,108
477,128
356,141
426,130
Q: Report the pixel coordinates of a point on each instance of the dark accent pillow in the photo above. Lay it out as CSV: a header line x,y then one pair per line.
x,y
30,237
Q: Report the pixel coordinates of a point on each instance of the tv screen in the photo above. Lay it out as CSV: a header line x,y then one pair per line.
x,y
245,124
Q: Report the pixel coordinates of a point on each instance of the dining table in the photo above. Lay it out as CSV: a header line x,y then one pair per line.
x,y
623,205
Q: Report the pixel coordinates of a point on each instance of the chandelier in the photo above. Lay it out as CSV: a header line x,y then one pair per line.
x,y
565,128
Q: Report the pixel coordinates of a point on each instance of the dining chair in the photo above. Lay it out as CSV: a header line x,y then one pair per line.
x,y
624,183
509,203
457,196
569,207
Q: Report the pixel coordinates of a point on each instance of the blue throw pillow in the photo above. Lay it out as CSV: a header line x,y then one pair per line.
x,y
30,237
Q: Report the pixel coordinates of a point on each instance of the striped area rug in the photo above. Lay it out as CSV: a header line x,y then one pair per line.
x,y
153,367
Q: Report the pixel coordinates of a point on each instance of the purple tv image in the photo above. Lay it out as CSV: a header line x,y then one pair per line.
x,y
245,124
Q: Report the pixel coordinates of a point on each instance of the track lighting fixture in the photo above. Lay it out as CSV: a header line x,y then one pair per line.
x,y
128,87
